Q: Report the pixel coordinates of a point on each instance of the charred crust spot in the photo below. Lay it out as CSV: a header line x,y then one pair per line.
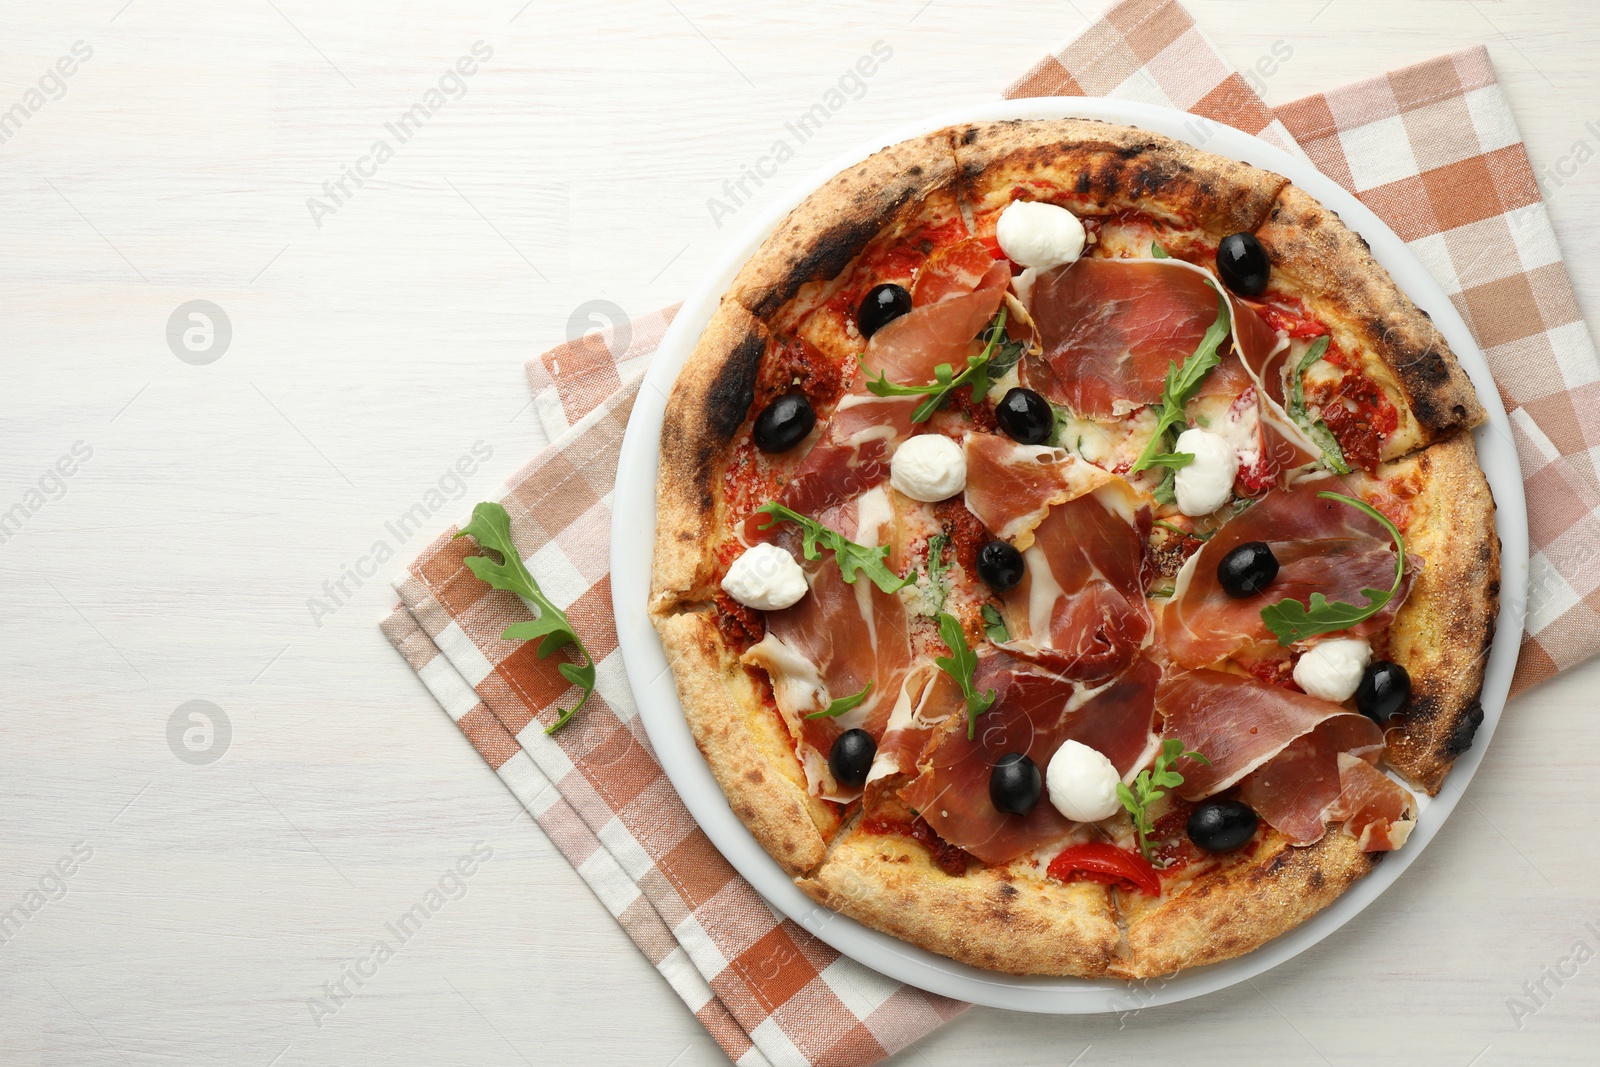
x,y
1083,183
1461,738
1008,891
1315,879
969,135
915,171
728,400
754,776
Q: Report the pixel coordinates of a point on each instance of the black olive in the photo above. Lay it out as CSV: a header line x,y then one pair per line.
x,y
784,423
1247,570
1243,264
1384,689
1221,825
1025,416
1000,565
881,306
1015,783
851,758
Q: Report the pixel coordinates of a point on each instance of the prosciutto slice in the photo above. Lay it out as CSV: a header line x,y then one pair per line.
x,y
1080,608
1239,723
833,642
1377,812
956,270
1110,327
853,455
1010,486
1322,546
1034,712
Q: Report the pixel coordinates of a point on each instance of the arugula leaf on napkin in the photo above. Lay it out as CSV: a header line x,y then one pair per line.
x,y
491,527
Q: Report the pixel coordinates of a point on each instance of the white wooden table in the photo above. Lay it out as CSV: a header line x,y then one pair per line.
x,y
375,340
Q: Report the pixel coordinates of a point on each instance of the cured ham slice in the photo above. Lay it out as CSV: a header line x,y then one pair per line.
x,y
928,697
1080,608
956,270
1239,723
1294,790
1111,327
1322,546
1379,813
853,455
837,639
1010,486
1034,712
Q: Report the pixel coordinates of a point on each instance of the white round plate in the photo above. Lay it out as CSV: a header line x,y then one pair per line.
x,y
633,537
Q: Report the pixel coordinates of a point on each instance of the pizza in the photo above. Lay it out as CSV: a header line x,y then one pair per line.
x,y
1072,554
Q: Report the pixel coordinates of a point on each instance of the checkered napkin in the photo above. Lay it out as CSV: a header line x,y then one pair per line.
x,y
1433,149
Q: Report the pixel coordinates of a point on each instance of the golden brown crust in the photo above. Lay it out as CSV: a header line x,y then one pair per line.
x,y
1318,259
709,404
989,917
825,231
1443,632
750,753
1237,909
1100,169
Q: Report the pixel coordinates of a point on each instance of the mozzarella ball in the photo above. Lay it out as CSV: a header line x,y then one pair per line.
x,y
1032,234
929,467
1332,668
1082,783
766,578
1205,484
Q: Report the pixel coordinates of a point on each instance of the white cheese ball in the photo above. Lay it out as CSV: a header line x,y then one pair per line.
x,y
1332,668
1038,235
1082,783
766,578
929,467
1205,485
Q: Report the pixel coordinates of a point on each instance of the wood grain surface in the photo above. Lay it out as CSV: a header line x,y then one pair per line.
x,y
378,332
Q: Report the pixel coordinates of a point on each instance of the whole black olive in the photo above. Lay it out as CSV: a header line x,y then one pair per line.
x,y
851,758
881,306
1243,264
1221,825
1247,570
1384,689
999,565
1025,416
784,423
1015,783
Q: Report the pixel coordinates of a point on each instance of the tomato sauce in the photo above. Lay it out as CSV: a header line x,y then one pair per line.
x,y
947,857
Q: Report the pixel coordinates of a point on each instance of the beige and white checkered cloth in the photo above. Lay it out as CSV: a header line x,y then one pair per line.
x,y
1432,148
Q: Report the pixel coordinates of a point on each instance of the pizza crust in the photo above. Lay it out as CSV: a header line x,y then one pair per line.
x,y
1442,633
1100,169
990,917
1318,259
829,228
708,407
1238,908
749,752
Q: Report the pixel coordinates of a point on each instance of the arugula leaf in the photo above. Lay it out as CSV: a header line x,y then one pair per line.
x,y
1157,252
1167,491
1151,785
994,627
960,665
842,705
1315,429
1175,460
1291,621
938,585
1007,353
853,559
945,380
1182,384
491,527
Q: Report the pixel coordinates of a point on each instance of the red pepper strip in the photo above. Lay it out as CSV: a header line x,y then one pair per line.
x,y
1108,864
